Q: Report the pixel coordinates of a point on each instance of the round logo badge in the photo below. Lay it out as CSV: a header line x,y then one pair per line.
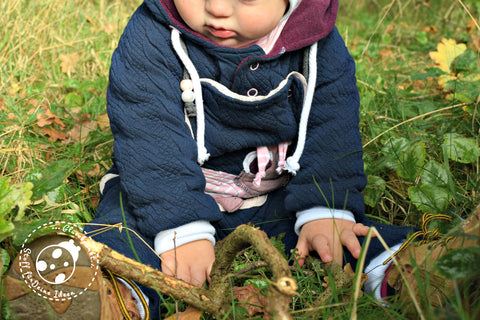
x,y
57,266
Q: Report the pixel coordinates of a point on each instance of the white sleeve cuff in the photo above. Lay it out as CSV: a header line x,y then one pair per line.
x,y
189,232
321,213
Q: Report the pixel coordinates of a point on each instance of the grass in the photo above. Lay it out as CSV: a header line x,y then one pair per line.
x,y
54,61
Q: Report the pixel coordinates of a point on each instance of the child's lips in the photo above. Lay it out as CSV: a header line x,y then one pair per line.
x,y
220,32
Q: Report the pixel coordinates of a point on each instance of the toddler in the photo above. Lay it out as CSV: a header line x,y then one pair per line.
x,y
226,112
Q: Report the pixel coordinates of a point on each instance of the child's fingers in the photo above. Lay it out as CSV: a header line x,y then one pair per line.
x,y
361,230
168,266
301,252
209,270
198,276
320,244
350,241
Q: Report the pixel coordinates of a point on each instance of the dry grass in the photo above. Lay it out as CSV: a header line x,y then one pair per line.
x,y
37,36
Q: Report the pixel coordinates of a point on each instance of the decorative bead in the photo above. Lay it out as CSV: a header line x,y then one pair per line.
x,y
186,85
188,96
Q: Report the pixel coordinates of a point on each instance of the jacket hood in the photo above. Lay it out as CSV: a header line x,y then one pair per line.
x,y
310,21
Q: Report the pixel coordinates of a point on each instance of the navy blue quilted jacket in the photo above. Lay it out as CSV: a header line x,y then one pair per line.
x,y
155,153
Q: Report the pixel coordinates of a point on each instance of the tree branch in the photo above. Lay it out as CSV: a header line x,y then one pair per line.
x,y
213,301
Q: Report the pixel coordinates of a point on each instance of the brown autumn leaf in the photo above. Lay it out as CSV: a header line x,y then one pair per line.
x,y
80,131
419,85
94,172
69,62
47,121
48,118
430,29
53,134
250,298
386,53
471,26
191,313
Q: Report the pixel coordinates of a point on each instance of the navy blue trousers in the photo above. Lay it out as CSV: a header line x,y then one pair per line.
x,y
272,217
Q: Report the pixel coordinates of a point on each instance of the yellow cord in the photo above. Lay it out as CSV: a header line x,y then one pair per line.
x,y
120,301
427,235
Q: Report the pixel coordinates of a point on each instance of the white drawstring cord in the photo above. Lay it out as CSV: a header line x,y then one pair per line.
x,y
203,155
292,164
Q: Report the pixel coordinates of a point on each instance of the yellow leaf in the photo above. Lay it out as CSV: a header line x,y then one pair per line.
x,y
447,51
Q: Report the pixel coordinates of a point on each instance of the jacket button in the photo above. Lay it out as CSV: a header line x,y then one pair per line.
x,y
254,67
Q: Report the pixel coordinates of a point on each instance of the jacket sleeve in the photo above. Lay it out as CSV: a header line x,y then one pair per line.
x,y
153,147
331,171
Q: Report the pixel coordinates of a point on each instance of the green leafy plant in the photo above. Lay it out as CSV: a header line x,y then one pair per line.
x,y
12,196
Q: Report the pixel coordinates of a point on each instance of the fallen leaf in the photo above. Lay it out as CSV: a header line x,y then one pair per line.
x,y
69,62
447,51
250,298
430,29
54,134
80,131
390,28
191,313
419,85
48,118
471,26
386,53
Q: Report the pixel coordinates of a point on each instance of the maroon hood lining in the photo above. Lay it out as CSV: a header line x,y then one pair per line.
x,y
311,21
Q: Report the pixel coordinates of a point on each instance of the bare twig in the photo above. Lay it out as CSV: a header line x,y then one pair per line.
x,y
213,301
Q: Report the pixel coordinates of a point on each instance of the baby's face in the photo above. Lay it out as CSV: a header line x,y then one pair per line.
x,y
232,23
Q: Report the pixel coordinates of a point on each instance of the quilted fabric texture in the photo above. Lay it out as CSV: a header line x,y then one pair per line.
x,y
155,154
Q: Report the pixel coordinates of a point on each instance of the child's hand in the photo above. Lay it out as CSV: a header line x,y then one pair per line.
x,y
194,261
327,237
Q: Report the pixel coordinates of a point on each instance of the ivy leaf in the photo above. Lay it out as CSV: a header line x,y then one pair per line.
x,y
5,260
429,198
14,195
461,263
447,51
411,161
11,196
258,283
51,177
460,149
435,174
